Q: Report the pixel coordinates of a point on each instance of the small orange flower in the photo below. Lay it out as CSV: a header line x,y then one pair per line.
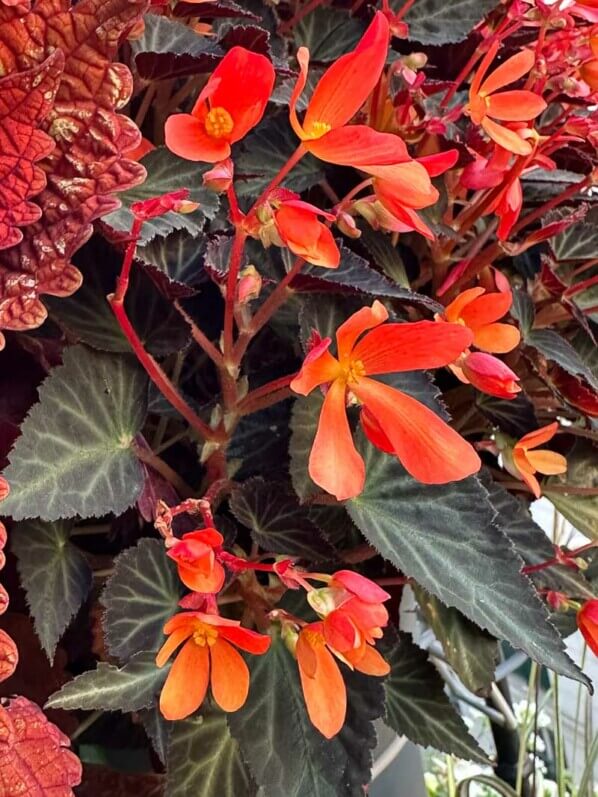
x,y
429,449
479,311
485,105
338,95
528,461
196,561
587,622
323,686
232,102
206,657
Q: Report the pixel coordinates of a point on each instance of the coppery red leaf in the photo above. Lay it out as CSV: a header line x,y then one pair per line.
x,y
87,166
9,656
25,100
34,755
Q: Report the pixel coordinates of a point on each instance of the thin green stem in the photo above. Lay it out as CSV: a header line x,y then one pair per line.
x,y
525,728
559,742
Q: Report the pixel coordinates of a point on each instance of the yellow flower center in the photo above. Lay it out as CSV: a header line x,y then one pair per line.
x,y
219,123
205,635
355,370
318,129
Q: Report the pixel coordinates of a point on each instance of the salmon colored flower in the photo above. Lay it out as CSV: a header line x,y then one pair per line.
x,y
196,561
286,220
321,679
488,374
486,105
428,448
353,614
527,460
480,311
587,622
232,102
338,95
206,657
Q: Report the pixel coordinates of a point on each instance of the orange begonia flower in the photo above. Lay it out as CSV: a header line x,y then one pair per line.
x,y
232,102
321,680
587,622
338,95
479,311
428,448
528,461
485,105
488,374
196,561
206,656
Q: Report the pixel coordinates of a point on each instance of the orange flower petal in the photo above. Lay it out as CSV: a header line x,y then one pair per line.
x,y
229,676
246,81
532,483
520,461
485,309
538,437
587,622
547,462
506,138
370,662
404,184
174,640
303,61
319,368
209,536
306,649
453,310
246,639
410,219
515,106
180,620
334,463
345,86
197,581
186,683
355,325
373,432
359,146
340,631
483,68
325,693
411,346
511,70
307,237
496,338
428,448
186,136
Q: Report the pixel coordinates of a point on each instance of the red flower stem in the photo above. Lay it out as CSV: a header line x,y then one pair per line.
x,y
278,178
553,203
152,368
235,212
303,11
266,311
200,338
556,561
404,9
246,405
164,469
231,291
354,191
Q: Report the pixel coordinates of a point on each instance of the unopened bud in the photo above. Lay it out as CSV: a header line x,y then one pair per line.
x,y
186,206
220,177
250,285
324,600
415,60
289,636
346,224
582,564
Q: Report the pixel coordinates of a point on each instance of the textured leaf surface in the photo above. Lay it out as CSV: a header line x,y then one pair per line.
x,y
417,706
111,688
179,257
34,754
433,22
203,759
443,536
289,757
88,164
582,471
55,575
471,652
354,272
75,454
170,49
328,33
141,594
264,151
558,350
25,100
276,521
167,172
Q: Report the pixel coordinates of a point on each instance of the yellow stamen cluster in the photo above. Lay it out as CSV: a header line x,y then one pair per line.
x,y
205,635
355,370
219,123
318,129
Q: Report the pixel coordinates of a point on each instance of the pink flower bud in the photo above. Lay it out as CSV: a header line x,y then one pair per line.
x,y
220,177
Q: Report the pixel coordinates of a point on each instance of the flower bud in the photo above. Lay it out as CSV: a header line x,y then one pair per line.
x,y
289,636
220,177
490,375
346,224
324,600
250,285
